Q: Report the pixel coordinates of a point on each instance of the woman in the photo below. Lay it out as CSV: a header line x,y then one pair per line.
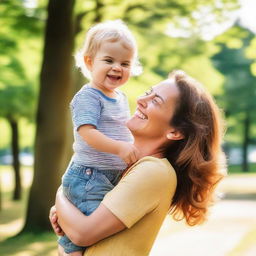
x,y
177,129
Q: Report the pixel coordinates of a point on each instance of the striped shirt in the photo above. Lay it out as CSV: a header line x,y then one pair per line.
x,y
108,115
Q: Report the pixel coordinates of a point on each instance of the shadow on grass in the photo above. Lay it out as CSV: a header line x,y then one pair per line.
x,y
11,209
30,244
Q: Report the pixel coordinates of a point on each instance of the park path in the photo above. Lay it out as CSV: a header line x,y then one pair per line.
x,y
228,223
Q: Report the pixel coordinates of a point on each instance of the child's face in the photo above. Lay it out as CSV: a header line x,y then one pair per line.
x,y
111,66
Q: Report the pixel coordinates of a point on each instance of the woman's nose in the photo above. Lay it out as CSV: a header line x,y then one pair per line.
x,y
142,101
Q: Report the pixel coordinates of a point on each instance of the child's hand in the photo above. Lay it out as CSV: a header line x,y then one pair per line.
x,y
128,152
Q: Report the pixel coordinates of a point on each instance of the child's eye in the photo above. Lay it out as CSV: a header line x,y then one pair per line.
x,y
108,60
125,64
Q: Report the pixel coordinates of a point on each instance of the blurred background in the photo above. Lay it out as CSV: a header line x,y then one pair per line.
x,y
213,41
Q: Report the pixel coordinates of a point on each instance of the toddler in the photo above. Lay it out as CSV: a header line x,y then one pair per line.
x,y
102,143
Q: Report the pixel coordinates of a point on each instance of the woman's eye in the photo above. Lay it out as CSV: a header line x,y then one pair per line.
x,y
154,100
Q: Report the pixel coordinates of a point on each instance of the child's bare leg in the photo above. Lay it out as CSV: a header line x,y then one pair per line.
x,y
62,253
77,253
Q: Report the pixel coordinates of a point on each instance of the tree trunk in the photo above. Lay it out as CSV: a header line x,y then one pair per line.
x,y
52,115
98,11
15,161
245,165
0,194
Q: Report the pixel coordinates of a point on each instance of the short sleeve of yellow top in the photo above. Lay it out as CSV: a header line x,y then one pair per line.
x,y
141,201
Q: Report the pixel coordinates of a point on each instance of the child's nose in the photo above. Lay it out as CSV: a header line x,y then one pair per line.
x,y
116,67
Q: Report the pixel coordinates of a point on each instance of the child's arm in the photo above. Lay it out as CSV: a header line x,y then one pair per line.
x,y
101,142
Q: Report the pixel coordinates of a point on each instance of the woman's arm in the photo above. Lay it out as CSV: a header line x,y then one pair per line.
x,y
85,230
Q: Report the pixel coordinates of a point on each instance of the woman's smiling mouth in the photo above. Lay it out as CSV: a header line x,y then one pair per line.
x,y
139,114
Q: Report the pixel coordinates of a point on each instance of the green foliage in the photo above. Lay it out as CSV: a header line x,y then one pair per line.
x,y
240,83
19,48
4,134
203,71
19,28
22,36
239,95
20,56
160,53
250,53
26,132
16,102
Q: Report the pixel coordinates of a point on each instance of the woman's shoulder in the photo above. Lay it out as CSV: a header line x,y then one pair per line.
x,y
155,163
157,168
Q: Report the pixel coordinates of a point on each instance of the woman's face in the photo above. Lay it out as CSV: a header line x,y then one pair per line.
x,y
155,110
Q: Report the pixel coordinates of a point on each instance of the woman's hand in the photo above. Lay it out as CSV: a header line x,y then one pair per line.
x,y
54,222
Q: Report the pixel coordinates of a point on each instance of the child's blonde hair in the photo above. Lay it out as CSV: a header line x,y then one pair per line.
x,y
107,31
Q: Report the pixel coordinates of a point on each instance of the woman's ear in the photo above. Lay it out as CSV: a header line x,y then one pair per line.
x,y
174,135
88,62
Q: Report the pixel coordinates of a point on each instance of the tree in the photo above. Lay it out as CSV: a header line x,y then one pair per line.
x,y
239,90
55,88
17,93
17,96
16,102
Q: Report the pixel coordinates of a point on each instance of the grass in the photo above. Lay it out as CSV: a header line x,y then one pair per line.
x,y
29,244
12,220
41,244
238,168
13,212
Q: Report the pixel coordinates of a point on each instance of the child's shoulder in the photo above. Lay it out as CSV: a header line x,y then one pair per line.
x,y
87,90
86,94
121,94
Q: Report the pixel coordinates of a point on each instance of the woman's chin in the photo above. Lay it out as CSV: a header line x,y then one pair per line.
x,y
135,124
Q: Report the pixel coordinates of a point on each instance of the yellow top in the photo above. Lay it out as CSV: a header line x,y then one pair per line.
x,y
141,201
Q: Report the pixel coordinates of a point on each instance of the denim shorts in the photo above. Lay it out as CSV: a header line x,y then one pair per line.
x,y
86,187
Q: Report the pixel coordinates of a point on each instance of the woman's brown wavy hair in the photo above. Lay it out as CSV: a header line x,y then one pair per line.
x,y
197,159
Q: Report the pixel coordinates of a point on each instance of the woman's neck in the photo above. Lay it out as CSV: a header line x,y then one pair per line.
x,y
149,148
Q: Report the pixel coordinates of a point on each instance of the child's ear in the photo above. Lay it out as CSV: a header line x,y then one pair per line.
x,y
174,135
88,62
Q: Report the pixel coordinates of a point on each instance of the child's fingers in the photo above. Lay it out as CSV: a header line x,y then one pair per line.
x,y
133,157
127,160
136,154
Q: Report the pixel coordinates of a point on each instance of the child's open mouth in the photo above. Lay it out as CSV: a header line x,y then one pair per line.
x,y
114,78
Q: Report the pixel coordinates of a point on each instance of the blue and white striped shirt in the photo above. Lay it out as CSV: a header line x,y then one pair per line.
x,y
108,115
